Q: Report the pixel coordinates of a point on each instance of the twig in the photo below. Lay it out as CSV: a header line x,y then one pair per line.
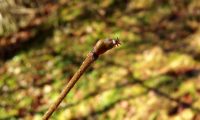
x,y
101,47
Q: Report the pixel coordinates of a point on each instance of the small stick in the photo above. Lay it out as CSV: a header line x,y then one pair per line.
x,y
101,47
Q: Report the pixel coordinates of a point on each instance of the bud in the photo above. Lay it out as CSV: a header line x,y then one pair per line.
x,y
104,45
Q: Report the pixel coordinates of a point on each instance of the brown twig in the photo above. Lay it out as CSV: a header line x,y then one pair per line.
x,y
101,47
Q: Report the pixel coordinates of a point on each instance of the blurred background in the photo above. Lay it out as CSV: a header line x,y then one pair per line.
x,y
153,75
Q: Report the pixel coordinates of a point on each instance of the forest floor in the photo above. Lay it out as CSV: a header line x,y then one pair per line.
x,y
153,75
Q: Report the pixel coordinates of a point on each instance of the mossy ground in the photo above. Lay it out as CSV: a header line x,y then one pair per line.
x,y
153,75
